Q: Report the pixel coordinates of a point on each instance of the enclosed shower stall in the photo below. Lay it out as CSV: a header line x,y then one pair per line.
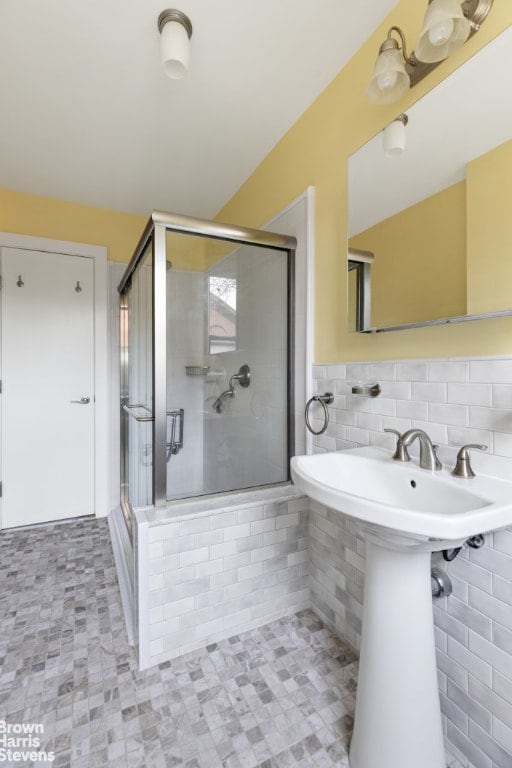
x,y
206,361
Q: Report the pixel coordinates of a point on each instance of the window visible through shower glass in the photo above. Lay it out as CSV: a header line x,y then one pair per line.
x,y
138,410
227,307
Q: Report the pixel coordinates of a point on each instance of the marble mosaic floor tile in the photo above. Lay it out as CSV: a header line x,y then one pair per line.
x,y
278,697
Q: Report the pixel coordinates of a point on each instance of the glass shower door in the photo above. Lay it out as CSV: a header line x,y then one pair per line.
x,y
137,388
227,364
246,431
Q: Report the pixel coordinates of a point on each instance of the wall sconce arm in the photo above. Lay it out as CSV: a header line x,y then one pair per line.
x,y
409,60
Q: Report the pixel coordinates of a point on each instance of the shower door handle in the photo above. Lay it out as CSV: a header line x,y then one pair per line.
x,y
82,401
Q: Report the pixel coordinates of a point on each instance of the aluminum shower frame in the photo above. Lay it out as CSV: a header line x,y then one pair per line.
x,y
155,232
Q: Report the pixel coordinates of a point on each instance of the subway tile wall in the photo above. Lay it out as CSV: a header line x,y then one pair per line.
x,y
225,572
336,572
456,401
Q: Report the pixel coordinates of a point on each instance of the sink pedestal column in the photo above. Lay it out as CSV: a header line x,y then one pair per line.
x,y
398,716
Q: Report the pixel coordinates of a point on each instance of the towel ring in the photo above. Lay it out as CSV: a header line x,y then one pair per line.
x,y
326,399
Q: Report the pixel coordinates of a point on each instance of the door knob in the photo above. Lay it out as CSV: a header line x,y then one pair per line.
x,y
82,401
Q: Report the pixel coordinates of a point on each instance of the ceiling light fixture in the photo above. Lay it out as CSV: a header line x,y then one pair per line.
x,y
175,32
394,136
446,27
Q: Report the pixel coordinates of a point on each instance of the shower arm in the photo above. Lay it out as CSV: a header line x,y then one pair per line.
x,y
217,405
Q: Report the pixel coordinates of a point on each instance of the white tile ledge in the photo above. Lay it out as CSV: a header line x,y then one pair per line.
x,y
386,361
183,509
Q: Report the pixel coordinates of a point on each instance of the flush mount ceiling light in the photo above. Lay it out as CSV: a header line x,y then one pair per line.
x,y
175,32
446,27
394,136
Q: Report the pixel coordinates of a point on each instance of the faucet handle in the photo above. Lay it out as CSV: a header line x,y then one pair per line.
x,y
463,466
401,453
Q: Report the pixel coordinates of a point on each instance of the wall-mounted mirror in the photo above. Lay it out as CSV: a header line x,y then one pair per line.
x,y
438,218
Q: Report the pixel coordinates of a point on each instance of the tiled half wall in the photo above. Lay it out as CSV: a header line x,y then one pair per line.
x,y
218,572
456,401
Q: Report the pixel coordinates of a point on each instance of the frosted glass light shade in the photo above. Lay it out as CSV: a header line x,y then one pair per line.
x,y
174,49
389,80
394,138
445,28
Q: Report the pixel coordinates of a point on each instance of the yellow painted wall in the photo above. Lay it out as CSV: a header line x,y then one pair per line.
x,y
489,207
419,272
38,216
119,232
216,250
186,251
314,152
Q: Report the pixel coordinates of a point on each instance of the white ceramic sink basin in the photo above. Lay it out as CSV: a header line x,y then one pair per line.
x,y
366,484
403,513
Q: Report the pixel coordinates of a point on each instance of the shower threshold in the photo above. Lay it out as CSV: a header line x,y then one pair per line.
x,y
177,509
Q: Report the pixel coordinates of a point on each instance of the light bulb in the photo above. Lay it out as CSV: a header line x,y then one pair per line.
x,y
440,33
386,80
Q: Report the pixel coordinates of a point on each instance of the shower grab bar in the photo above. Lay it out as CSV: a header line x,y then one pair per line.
x,y
128,409
174,446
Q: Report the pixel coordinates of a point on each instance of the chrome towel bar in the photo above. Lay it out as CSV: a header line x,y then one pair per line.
x,y
128,409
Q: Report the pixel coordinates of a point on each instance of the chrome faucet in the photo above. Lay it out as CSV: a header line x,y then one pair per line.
x,y
428,458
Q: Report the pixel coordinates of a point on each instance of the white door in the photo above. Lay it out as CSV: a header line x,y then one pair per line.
x,y
47,452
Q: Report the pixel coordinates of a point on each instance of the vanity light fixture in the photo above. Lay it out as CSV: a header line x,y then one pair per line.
x,y
175,32
446,27
394,136
390,80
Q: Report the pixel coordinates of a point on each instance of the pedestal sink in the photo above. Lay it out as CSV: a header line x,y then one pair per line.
x,y
404,513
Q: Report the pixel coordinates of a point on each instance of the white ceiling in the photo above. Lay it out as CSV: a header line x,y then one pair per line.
x,y
88,115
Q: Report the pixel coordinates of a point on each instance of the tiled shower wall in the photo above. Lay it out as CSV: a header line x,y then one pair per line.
x,y
456,401
185,346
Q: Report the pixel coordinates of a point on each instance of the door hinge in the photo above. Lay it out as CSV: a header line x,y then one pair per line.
x,y
0,386
0,282
1,490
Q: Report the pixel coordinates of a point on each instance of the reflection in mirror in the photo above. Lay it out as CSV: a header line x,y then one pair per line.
x,y
221,314
437,217
359,289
